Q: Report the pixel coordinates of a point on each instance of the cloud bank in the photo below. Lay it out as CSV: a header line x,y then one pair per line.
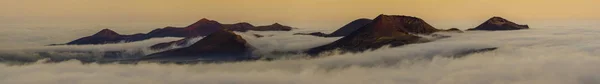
x,y
535,56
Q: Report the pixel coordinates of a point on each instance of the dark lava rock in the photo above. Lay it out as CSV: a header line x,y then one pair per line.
x,y
221,45
273,27
499,23
393,30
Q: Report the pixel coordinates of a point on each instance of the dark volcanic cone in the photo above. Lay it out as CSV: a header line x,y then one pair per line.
x,y
393,30
273,27
102,37
220,45
499,23
202,27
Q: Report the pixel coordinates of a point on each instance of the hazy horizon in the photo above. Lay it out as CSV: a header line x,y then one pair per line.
x,y
303,14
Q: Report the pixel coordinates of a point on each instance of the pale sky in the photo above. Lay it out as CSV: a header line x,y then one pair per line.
x,y
302,13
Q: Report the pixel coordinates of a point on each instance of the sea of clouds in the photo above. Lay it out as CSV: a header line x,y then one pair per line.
x,y
552,55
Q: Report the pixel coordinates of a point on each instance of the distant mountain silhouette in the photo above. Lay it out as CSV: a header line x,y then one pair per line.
x,y
273,27
393,30
453,30
102,37
499,23
202,27
343,31
220,45
241,27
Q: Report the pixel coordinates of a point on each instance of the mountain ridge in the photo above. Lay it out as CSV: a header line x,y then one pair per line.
x,y
202,27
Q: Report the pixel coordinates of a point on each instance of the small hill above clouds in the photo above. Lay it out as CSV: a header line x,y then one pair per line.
x,y
499,23
202,27
407,24
273,27
102,37
241,27
421,27
393,30
107,33
221,45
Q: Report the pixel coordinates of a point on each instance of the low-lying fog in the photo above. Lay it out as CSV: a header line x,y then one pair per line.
x,y
549,55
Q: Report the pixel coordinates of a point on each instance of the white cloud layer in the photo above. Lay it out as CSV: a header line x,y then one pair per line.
x,y
536,56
